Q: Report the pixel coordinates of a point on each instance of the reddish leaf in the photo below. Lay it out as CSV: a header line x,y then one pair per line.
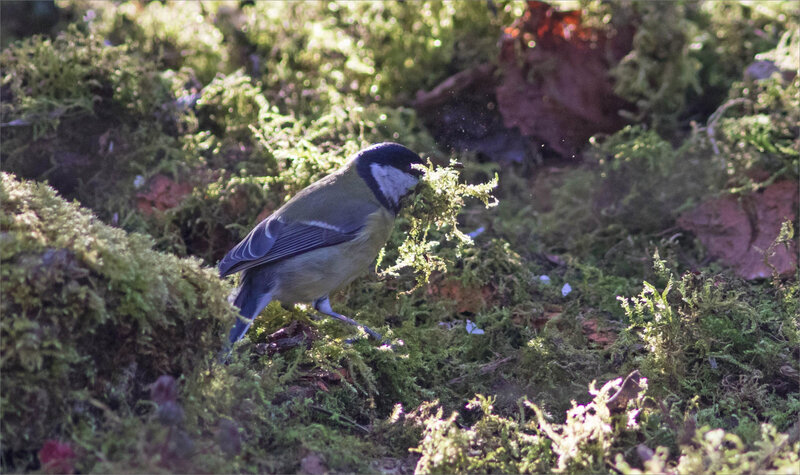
x,y
163,194
466,298
538,320
738,231
57,457
345,374
603,337
313,464
556,85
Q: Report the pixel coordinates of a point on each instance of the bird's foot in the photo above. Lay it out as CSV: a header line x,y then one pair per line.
x,y
323,305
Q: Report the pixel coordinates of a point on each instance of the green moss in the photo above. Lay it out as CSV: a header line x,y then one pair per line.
x,y
492,444
657,73
712,336
614,209
730,36
593,437
715,451
372,51
685,56
88,118
174,35
758,136
436,207
91,314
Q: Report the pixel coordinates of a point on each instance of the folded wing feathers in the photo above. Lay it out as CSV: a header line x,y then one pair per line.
x,y
280,241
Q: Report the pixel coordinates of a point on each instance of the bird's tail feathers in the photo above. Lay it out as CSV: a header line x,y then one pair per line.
x,y
239,329
250,298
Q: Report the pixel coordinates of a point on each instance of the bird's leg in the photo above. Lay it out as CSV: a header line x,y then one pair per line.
x,y
323,305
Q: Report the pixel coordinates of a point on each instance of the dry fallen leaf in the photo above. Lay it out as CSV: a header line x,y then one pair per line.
x,y
466,298
313,464
555,85
539,319
163,194
603,337
737,231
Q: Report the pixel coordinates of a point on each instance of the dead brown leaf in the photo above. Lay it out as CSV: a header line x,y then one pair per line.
x,y
603,337
631,387
538,320
737,231
555,85
313,464
163,194
466,298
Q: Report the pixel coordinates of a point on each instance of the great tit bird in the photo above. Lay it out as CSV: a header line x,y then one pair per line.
x,y
322,238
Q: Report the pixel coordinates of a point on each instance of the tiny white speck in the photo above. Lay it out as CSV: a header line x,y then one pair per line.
x,y
473,329
566,289
477,232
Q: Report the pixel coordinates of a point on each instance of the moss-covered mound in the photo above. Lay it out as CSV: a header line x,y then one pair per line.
x,y
90,314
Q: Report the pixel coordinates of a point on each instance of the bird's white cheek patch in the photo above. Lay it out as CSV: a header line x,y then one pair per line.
x,y
393,183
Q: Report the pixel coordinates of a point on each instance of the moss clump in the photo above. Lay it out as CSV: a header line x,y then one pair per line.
x,y
174,35
88,118
594,437
612,210
729,36
685,56
660,51
374,52
757,133
90,315
710,336
585,442
494,444
713,451
436,207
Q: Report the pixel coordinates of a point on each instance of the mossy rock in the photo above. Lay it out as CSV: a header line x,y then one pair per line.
x,y
91,315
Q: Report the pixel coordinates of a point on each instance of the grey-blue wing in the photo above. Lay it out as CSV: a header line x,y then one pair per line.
x,y
273,240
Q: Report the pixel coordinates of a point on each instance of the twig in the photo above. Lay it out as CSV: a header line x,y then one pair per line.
x,y
342,417
483,369
450,87
714,118
54,114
